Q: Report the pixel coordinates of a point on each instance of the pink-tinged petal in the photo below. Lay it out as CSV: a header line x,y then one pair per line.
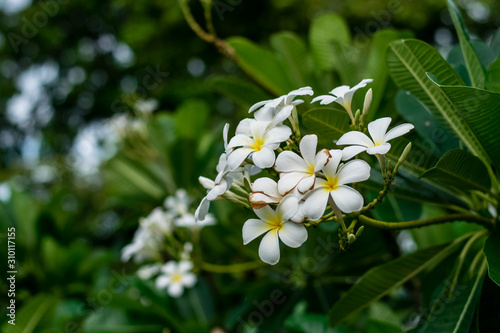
x,y
398,131
277,134
269,249
266,185
175,289
240,140
351,151
340,91
288,161
307,147
353,172
264,158
237,156
265,213
347,199
253,228
382,149
162,282
321,159
306,184
189,279
330,169
265,114
287,207
324,99
315,203
185,266
378,128
292,234
289,180
257,105
355,138
244,126
259,200
202,210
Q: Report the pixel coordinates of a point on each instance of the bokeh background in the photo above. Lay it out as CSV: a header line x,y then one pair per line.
x,y
107,107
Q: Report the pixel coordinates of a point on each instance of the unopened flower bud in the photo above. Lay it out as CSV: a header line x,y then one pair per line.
x,y
360,231
351,238
368,101
403,157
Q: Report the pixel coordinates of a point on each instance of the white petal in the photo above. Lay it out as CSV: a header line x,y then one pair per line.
x,y
382,149
162,281
377,129
244,127
398,131
253,228
340,91
306,184
217,190
347,199
175,289
170,267
283,113
257,105
351,151
265,213
269,249
324,99
189,279
206,182
308,146
287,207
277,134
185,265
202,210
299,216
240,140
275,102
289,161
289,180
264,158
237,157
265,114
355,138
315,204
320,159
293,235
299,92
330,169
258,128
259,200
353,171
225,133
266,185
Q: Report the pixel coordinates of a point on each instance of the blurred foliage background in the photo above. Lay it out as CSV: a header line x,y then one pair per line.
x,y
108,107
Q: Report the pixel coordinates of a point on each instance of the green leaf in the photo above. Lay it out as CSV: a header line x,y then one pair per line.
x,y
324,31
379,281
492,253
495,44
460,170
295,56
454,313
261,65
480,110
409,61
191,119
474,67
493,76
376,326
240,91
35,314
328,123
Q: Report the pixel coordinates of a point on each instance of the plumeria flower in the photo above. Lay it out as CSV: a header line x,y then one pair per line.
x,y
344,197
144,246
279,109
146,272
189,221
300,172
158,222
342,95
259,145
276,225
174,276
377,144
179,203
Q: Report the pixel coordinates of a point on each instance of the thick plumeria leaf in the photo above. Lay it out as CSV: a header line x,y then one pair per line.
x,y
454,313
456,58
376,326
262,65
328,123
295,56
460,170
495,44
493,76
426,125
34,316
492,253
474,67
409,62
324,31
479,109
240,91
379,281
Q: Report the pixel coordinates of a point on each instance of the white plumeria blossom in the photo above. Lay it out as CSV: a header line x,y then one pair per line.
x,y
175,276
342,95
258,144
178,205
378,144
148,271
345,198
300,172
279,109
276,225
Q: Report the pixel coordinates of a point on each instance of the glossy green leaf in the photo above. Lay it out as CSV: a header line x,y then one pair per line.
x,y
240,91
379,281
493,76
293,51
409,62
262,65
324,31
460,170
492,253
495,44
328,123
376,326
34,316
474,67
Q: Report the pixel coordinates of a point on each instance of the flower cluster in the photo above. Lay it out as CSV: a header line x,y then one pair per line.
x,y
310,184
162,233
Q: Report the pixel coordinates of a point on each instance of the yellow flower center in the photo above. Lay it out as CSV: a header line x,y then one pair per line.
x,y
310,169
331,184
177,278
276,222
258,144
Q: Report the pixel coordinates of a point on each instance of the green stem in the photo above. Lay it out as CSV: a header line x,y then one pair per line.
x,y
487,223
235,268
